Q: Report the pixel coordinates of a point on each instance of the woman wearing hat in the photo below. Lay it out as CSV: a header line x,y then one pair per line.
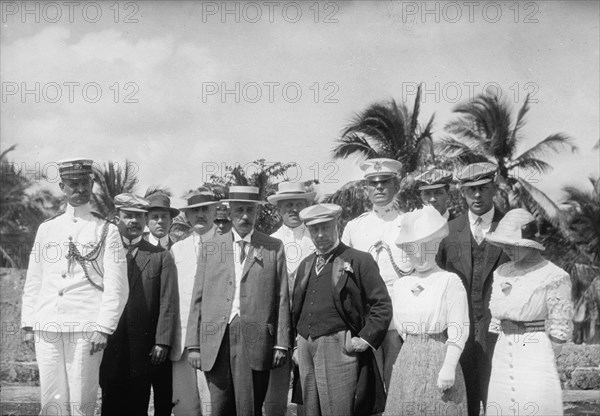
x,y
531,308
431,312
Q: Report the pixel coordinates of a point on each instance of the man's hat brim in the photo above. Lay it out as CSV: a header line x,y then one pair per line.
x,y
273,199
425,187
199,204
477,182
173,211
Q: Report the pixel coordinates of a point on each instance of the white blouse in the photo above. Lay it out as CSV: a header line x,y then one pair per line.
x,y
541,292
432,304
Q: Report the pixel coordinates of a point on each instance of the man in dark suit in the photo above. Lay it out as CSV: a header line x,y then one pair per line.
x,y
341,311
466,253
159,220
434,189
136,356
239,323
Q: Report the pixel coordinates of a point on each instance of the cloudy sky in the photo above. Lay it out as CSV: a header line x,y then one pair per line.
x,y
184,88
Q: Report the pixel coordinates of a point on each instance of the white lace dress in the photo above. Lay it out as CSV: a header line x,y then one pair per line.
x,y
524,378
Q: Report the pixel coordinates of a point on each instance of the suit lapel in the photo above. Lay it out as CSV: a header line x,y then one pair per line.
x,y
464,245
338,276
492,252
253,251
141,259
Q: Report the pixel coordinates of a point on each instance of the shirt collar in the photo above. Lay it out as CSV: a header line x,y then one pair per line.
x,y
164,241
237,237
446,214
79,211
386,211
486,219
133,242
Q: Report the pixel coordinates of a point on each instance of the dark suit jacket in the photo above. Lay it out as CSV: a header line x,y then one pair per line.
x,y
149,317
362,300
264,300
454,255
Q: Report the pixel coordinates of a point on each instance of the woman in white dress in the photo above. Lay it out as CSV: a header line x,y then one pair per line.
x,y
431,312
531,308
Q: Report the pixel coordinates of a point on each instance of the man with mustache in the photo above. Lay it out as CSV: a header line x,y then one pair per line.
x,y
341,311
239,325
159,219
375,232
74,294
465,252
190,391
137,355
291,198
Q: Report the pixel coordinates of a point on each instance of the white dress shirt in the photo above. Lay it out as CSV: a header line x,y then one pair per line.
x,y
486,221
238,269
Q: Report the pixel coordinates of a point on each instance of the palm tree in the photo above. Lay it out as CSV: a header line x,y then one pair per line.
x,y
111,181
391,131
22,210
484,131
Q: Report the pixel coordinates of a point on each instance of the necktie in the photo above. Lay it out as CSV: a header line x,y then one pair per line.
x,y
477,231
320,263
242,251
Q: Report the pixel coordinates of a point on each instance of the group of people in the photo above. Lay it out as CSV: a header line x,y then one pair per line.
x,y
402,314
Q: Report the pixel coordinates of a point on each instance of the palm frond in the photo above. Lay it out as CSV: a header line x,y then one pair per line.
x,y
157,189
520,122
551,144
535,199
352,144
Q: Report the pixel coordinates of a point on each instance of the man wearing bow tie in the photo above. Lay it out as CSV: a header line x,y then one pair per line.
x,y
239,324
137,354
375,232
341,311
465,252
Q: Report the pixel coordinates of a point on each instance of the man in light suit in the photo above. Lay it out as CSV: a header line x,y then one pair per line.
x,y
75,292
291,198
465,252
136,359
239,325
190,391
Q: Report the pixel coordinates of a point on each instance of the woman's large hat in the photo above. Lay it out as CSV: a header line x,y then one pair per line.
x,y
422,225
291,190
516,228
244,194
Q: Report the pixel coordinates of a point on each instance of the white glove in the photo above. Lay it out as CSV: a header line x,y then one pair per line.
x,y
447,375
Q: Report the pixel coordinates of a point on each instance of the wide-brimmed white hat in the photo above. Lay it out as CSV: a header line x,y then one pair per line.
x,y
291,190
244,194
422,225
516,228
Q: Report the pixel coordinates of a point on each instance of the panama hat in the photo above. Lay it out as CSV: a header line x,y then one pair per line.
x,y
244,194
516,228
422,225
291,190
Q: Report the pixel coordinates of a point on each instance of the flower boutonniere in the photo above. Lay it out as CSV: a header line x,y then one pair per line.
x,y
347,267
506,288
257,254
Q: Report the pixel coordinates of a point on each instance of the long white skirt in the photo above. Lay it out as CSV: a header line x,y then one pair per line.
x,y
524,378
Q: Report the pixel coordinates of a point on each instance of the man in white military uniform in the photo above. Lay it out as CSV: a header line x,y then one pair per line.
x,y
291,198
375,232
190,389
74,294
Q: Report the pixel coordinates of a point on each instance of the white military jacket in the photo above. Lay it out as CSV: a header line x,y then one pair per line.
x,y
58,297
379,226
185,255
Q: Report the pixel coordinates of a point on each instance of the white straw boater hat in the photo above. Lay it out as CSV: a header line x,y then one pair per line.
x,y
291,190
422,225
244,194
516,228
